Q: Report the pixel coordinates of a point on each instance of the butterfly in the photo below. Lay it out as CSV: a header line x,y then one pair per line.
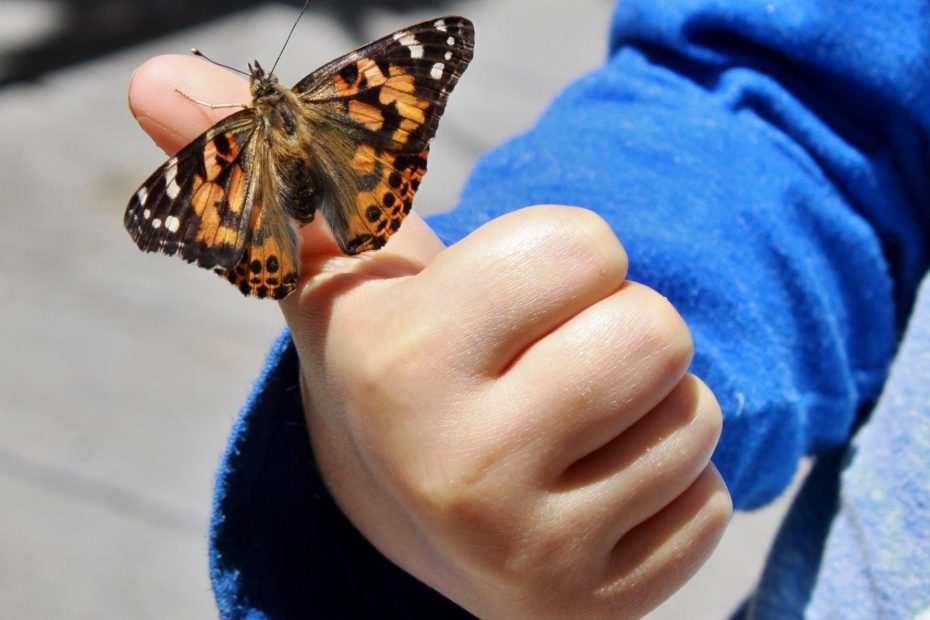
x,y
350,140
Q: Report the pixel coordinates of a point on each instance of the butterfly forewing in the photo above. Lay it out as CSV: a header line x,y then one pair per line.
x,y
395,89
197,204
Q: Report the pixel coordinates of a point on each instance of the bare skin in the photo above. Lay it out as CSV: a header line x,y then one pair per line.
x,y
510,420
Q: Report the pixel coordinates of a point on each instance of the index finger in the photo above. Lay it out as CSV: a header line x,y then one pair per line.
x,y
515,279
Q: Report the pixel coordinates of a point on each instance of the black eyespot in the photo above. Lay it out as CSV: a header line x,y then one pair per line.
x,y
221,142
349,73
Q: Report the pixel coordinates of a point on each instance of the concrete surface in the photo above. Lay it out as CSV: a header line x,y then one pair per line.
x,y
121,372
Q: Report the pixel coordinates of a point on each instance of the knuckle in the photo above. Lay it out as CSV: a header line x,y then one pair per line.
x,y
663,330
581,239
715,503
692,416
707,410
720,507
588,234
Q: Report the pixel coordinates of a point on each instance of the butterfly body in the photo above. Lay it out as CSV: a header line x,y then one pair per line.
x,y
350,140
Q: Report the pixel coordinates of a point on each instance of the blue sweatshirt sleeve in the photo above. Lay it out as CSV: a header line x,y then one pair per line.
x,y
765,165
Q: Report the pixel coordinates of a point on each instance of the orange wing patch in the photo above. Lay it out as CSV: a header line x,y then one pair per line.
x,y
367,115
380,209
364,160
219,152
267,269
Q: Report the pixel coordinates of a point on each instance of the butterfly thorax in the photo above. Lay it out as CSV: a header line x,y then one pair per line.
x,y
275,104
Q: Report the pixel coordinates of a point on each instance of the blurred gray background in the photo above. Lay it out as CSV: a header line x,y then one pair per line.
x,y
120,372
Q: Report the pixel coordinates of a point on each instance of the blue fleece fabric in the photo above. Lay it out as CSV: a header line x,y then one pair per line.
x,y
765,165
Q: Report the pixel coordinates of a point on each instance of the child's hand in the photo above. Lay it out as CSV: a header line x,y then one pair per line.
x,y
507,419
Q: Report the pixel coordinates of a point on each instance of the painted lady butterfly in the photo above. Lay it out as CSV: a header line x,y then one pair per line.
x,y
351,140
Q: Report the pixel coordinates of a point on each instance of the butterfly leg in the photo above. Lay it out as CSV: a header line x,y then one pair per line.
x,y
212,106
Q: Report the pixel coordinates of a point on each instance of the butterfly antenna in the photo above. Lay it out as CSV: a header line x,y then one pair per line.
x,y
302,11
197,52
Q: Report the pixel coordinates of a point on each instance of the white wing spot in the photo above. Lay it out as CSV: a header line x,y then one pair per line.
x,y
156,223
172,223
142,194
440,25
450,41
448,55
146,214
411,43
171,184
436,71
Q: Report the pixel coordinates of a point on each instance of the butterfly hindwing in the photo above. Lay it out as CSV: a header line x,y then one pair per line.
x,y
197,204
269,266
378,188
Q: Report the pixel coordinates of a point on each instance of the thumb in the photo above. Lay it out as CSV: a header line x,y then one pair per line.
x,y
172,121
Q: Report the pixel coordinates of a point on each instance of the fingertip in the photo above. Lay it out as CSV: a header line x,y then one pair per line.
x,y
169,118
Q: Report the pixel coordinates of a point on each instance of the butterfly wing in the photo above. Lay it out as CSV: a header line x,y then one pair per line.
x,y
198,203
373,113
